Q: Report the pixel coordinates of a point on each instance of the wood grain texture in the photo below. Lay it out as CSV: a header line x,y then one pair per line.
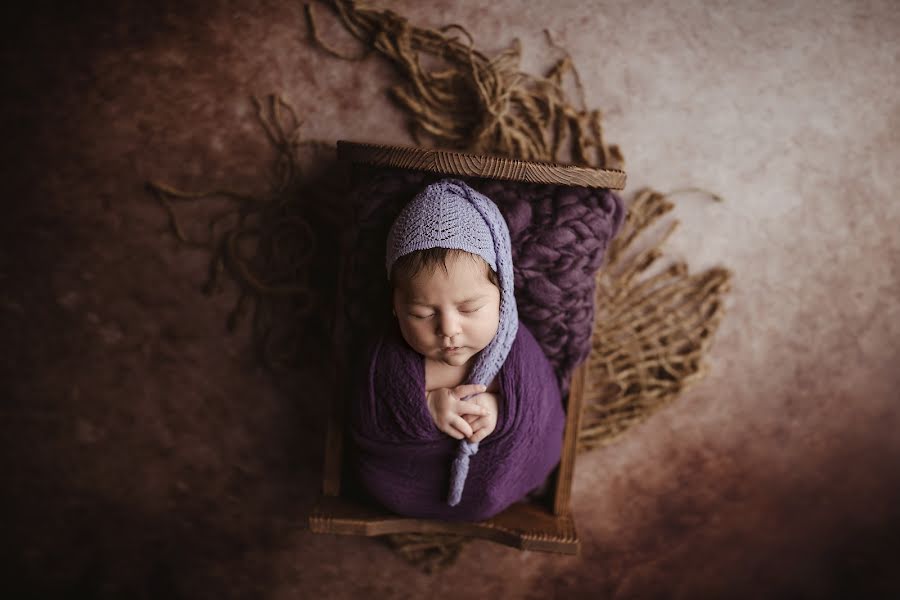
x,y
524,525
450,162
563,493
336,431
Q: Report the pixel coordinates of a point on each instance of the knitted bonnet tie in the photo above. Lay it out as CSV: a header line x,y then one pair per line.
x,y
449,214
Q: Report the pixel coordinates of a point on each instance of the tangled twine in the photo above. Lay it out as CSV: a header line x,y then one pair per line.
x,y
472,102
651,331
267,244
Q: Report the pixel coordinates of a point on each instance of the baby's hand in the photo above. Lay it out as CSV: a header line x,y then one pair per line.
x,y
447,409
484,425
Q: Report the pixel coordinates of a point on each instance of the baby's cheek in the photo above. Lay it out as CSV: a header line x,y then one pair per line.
x,y
495,322
413,333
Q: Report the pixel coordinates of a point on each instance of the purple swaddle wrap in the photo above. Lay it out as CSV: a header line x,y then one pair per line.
x,y
450,214
403,456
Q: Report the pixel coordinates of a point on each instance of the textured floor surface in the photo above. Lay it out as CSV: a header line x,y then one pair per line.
x,y
146,455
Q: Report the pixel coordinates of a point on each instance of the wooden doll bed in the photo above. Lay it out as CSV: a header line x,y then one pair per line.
x,y
545,524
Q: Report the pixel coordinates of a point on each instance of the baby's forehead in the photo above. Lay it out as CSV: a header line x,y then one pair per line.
x,y
455,264
474,281
463,281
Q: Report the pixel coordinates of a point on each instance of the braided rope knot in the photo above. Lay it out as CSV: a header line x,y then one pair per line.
x,y
459,469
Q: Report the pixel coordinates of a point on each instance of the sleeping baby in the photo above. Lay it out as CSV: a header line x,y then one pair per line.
x,y
459,414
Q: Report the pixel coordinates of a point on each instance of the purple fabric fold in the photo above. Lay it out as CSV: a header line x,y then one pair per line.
x,y
402,457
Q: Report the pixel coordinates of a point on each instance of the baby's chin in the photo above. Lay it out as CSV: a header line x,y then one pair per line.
x,y
454,360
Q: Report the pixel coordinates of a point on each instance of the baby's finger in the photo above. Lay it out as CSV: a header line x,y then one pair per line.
x,y
462,391
470,408
479,435
450,430
462,426
454,433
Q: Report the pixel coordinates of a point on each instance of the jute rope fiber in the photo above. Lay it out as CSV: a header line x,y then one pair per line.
x,y
654,323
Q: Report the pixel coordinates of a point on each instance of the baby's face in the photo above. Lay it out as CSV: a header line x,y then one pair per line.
x,y
449,317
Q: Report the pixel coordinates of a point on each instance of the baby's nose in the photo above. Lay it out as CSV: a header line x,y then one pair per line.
x,y
448,325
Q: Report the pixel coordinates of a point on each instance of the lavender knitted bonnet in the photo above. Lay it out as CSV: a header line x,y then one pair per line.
x,y
450,214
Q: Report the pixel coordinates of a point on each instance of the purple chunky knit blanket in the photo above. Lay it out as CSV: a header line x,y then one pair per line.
x,y
402,456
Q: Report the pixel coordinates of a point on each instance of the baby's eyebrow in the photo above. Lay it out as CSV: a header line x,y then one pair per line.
x,y
420,302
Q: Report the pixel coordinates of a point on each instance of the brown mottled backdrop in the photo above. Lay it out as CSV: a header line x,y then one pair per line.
x,y
145,454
